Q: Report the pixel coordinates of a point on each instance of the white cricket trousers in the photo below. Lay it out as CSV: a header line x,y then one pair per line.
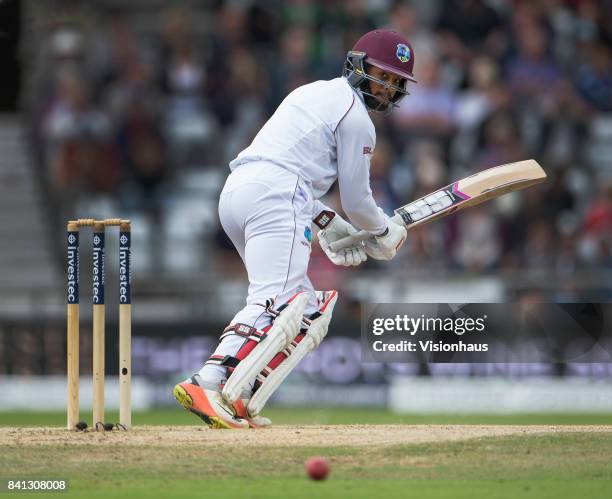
x,y
267,213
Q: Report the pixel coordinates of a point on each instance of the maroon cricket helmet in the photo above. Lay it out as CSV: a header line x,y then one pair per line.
x,y
388,50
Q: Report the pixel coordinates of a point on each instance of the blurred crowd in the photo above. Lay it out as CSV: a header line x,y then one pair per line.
x,y
123,102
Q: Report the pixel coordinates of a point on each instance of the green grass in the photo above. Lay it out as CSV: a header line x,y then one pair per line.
x,y
318,416
567,465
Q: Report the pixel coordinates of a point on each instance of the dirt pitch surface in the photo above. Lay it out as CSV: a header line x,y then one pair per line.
x,y
279,436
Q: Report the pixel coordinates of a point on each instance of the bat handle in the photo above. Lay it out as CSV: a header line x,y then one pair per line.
x,y
362,235
347,241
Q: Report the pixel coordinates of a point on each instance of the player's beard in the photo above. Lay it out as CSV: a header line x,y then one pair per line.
x,y
376,105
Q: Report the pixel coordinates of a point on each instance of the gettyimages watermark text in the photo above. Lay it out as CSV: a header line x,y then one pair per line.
x,y
483,333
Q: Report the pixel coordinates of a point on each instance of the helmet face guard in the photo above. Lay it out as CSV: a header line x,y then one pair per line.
x,y
355,72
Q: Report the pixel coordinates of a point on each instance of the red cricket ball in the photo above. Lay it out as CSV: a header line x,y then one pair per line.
x,y
317,468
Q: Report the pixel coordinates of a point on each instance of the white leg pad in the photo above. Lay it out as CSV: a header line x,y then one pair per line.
x,y
285,328
295,353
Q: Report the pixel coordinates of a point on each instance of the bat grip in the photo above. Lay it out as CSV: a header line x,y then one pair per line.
x,y
362,235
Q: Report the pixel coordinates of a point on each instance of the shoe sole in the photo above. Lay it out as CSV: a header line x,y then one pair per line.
x,y
185,400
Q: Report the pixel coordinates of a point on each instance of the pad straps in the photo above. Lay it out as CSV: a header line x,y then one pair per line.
x,y
252,336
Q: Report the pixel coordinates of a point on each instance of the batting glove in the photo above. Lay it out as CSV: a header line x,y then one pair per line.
x,y
335,228
385,246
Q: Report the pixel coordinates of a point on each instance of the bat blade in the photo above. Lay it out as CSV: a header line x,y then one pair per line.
x,y
470,191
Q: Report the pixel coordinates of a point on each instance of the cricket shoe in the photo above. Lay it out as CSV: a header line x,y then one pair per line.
x,y
260,422
206,403
256,421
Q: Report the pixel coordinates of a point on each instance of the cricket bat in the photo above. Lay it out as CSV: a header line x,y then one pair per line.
x,y
470,191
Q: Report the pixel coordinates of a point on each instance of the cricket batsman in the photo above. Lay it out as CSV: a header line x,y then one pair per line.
x,y
320,133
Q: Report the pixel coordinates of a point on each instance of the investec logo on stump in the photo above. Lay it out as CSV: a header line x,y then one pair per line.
x,y
98,269
124,268
73,267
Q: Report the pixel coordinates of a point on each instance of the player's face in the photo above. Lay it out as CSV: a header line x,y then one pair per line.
x,y
382,93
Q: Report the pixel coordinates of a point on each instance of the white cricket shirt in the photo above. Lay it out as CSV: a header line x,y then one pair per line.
x,y
322,132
